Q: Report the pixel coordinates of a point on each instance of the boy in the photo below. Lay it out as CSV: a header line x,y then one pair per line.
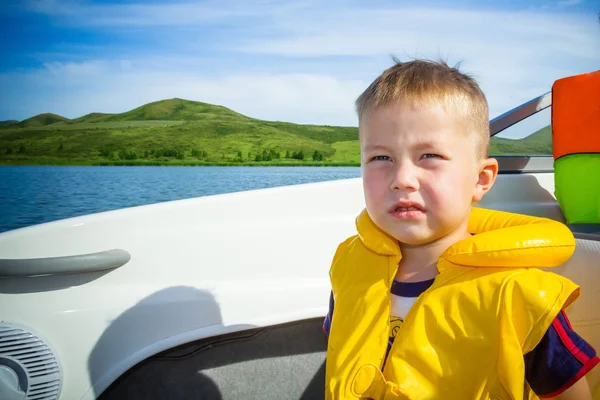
x,y
423,308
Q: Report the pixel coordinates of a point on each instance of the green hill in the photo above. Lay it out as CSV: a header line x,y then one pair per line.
x,y
538,143
91,117
183,132
9,122
42,120
171,110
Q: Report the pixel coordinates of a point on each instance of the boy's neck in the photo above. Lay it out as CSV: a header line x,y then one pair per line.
x,y
419,262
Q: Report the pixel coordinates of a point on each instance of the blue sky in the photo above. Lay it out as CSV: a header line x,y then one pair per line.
x,y
301,61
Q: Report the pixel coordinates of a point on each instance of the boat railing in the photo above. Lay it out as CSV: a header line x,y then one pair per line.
x,y
519,113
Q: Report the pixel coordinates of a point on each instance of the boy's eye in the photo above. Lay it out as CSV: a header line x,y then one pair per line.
x,y
381,158
430,155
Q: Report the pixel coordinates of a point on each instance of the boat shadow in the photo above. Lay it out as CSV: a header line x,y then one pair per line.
x,y
283,362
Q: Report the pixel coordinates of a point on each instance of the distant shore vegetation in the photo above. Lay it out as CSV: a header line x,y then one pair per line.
x,y
183,133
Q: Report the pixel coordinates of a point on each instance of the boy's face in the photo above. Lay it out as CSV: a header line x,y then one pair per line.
x,y
421,172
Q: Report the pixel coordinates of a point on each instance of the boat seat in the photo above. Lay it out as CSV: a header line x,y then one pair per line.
x,y
588,229
576,152
583,268
576,147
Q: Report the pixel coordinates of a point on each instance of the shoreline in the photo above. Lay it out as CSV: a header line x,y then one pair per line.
x,y
3,163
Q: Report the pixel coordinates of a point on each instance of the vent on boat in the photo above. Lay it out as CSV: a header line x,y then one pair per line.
x,y
29,368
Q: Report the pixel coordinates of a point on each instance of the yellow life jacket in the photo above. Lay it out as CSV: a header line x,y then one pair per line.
x,y
465,337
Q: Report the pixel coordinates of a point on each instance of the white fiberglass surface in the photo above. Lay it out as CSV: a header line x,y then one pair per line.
x,y
198,268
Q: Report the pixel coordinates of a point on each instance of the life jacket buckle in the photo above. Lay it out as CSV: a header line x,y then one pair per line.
x,y
370,383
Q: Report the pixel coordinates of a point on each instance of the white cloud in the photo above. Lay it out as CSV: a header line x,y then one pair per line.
x,y
75,89
514,55
531,38
304,62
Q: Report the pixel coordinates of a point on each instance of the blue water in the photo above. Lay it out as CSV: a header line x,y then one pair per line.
x,y
31,195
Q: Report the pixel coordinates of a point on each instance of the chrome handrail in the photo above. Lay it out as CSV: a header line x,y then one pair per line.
x,y
519,113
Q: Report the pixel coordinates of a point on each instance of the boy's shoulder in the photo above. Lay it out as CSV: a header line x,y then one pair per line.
x,y
343,246
528,287
349,252
529,296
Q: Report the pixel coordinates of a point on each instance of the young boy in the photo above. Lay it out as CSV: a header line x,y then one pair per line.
x,y
424,309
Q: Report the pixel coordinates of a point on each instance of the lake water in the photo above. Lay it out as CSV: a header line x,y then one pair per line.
x,y
31,195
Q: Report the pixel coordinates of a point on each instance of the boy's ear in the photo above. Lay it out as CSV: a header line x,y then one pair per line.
x,y
488,170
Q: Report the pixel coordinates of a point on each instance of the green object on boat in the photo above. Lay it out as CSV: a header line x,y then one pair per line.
x,y
577,187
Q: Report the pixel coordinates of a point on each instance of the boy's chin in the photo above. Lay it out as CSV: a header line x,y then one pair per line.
x,y
416,236
414,239
420,239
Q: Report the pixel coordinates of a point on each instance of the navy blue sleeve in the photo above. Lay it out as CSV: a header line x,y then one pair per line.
x,y
327,322
560,359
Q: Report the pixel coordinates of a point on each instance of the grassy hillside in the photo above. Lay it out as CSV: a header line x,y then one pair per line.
x,y
538,143
42,120
182,132
91,117
9,122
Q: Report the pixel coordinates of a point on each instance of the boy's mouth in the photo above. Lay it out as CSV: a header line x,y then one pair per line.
x,y
407,210
406,206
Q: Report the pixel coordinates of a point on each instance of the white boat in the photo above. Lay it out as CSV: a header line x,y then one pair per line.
x,y
216,297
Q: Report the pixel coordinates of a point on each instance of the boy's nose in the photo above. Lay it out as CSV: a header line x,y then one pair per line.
x,y
405,177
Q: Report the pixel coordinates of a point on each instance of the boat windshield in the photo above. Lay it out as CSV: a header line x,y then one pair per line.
x,y
525,130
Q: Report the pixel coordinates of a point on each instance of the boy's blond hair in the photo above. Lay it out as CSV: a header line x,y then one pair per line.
x,y
424,82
